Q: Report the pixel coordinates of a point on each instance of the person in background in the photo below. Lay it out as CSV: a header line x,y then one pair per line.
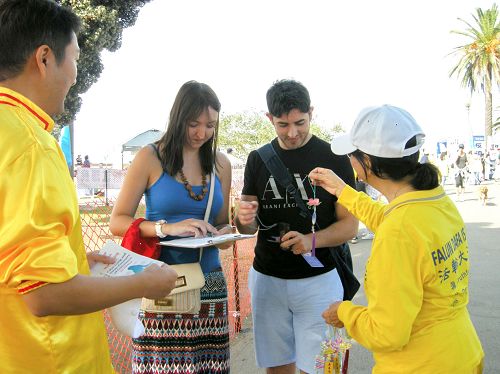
x,y
425,157
476,168
361,186
442,164
486,163
461,163
86,162
492,163
287,294
496,174
416,320
174,175
483,175
50,310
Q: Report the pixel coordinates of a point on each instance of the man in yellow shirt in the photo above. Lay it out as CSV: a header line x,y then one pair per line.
x,y
49,311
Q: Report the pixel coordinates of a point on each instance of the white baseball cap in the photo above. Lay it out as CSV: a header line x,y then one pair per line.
x,y
381,131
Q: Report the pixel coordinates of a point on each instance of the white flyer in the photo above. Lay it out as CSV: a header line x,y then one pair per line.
x,y
124,316
127,262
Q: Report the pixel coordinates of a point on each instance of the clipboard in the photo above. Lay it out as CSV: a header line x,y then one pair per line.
x,y
205,241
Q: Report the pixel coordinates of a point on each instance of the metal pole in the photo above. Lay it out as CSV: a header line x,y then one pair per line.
x,y
106,185
471,133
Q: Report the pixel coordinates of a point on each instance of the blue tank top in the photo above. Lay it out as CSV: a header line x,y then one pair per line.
x,y
168,199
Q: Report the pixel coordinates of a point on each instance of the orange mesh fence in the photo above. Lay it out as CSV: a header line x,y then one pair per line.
x,y
95,212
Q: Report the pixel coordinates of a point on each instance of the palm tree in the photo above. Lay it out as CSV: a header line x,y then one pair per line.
x,y
496,124
479,65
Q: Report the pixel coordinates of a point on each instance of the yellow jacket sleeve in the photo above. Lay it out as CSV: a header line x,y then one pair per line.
x,y
395,291
36,220
370,212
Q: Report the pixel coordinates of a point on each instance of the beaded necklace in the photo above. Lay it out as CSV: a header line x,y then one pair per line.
x,y
189,189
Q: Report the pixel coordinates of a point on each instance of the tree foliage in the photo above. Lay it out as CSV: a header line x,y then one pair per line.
x,y
249,130
479,64
103,22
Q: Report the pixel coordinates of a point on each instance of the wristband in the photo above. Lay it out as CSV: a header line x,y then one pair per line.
x,y
158,225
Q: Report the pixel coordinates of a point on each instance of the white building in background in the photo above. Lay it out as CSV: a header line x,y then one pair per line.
x,y
131,147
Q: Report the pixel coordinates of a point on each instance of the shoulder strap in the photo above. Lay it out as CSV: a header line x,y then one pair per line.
x,y
153,145
210,196
209,204
281,175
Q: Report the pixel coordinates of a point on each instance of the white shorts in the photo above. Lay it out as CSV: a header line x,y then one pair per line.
x,y
287,322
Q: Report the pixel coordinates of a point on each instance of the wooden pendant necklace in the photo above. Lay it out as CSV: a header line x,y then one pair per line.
x,y
189,189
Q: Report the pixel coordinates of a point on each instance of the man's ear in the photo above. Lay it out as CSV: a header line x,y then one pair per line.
x,y
42,57
270,116
311,109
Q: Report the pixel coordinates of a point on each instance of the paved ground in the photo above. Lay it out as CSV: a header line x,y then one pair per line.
x,y
483,230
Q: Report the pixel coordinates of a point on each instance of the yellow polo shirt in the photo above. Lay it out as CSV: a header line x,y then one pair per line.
x,y
40,243
416,284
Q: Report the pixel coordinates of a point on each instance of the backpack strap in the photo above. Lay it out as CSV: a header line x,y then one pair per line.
x,y
281,175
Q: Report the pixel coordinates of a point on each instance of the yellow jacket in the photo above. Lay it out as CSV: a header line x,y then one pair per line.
x,y
416,284
40,243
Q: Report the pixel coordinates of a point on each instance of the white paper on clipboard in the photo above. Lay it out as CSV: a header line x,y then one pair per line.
x,y
205,241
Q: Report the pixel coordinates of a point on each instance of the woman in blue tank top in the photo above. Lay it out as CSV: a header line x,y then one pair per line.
x,y
174,175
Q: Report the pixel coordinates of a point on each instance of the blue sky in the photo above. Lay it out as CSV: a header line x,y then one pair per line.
x,y
350,54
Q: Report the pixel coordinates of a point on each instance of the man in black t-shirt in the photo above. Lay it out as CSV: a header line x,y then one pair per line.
x,y
461,163
289,295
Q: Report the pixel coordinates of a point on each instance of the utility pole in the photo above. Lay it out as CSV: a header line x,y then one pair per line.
x,y
467,107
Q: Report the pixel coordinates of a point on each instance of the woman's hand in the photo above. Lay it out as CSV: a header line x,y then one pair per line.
x,y
93,257
297,242
189,227
331,317
224,229
328,180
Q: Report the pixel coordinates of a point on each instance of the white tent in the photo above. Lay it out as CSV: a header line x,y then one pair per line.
x,y
139,141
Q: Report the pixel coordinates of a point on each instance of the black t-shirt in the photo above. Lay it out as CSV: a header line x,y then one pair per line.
x,y
461,161
276,205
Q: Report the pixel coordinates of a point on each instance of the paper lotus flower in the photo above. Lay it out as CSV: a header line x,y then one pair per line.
x,y
313,202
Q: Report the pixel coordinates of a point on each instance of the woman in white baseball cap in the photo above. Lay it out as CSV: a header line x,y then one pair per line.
x,y
416,280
